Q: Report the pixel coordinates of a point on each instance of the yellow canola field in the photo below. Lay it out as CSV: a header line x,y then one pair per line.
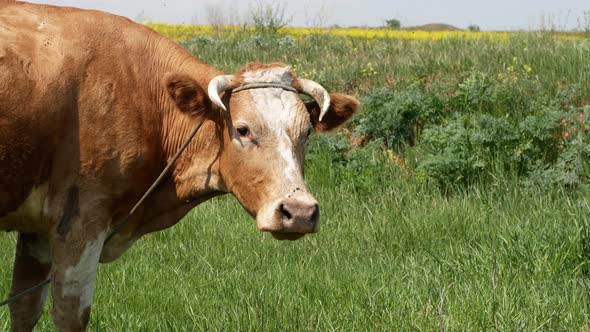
x,y
182,32
398,34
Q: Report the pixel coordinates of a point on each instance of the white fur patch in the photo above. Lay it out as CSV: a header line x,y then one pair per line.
x,y
286,151
278,109
79,280
271,75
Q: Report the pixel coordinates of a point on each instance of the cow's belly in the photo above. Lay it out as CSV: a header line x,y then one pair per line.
x,y
28,217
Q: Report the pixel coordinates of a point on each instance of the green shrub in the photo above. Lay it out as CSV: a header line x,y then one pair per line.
x,y
571,168
474,28
475,93
393,24
502,125
540,137
447,155
334,146
393,118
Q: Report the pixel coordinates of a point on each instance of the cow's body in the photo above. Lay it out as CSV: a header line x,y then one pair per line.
x,y
92,108
80,104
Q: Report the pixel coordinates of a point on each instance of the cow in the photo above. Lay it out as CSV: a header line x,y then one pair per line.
x,y
93,107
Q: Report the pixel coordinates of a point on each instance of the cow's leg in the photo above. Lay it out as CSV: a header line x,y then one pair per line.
x,y
73,280
32,264
76,240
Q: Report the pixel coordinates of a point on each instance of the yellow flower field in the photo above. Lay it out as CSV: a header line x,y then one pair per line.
x,y
180,32
396,34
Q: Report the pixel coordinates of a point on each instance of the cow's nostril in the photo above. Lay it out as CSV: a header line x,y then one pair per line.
x,y
316,213
285,212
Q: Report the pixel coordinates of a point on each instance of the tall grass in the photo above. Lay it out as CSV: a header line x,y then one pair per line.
x,y
500,258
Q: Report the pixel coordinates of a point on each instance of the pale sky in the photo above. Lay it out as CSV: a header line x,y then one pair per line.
x,y
489,15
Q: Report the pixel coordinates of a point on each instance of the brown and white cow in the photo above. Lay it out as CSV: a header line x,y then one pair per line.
x,y
93,107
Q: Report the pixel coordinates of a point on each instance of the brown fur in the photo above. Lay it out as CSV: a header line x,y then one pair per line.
x,y
342,108
188,95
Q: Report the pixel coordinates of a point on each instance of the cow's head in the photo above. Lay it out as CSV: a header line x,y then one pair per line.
x,y
265,134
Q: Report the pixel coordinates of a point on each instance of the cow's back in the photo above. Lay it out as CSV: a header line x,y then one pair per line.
x,y
61,73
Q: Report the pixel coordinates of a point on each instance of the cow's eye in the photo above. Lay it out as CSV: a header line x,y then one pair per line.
x,y
243,131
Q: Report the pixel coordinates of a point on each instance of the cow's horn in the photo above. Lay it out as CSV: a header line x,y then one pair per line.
x,y
217,85
318,93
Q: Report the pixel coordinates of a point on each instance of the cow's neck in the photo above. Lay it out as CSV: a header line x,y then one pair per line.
x,y
195,175
196,172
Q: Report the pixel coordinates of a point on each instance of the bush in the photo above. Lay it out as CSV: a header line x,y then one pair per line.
x,y
495,124
475,93
267,17
473,28
393,24
271,41
447,156
540,139
393,118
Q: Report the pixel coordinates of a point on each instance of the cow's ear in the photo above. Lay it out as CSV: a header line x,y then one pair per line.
x,y
186,93
342,108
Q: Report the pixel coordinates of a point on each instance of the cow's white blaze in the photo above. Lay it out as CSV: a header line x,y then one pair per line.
x,y
278,110
79,280
286,153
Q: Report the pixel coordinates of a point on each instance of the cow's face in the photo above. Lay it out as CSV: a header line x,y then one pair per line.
x,y
265,133
262,162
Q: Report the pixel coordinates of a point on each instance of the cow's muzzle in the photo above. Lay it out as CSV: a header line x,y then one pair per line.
x,y
292,218
299,216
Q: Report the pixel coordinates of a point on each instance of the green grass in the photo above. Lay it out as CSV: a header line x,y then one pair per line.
x,y
394,252
502,259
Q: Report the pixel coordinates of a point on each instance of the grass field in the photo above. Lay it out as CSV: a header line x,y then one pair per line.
x,y
398,249
398,258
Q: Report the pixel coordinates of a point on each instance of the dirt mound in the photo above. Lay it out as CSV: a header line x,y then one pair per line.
x,y
434,27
